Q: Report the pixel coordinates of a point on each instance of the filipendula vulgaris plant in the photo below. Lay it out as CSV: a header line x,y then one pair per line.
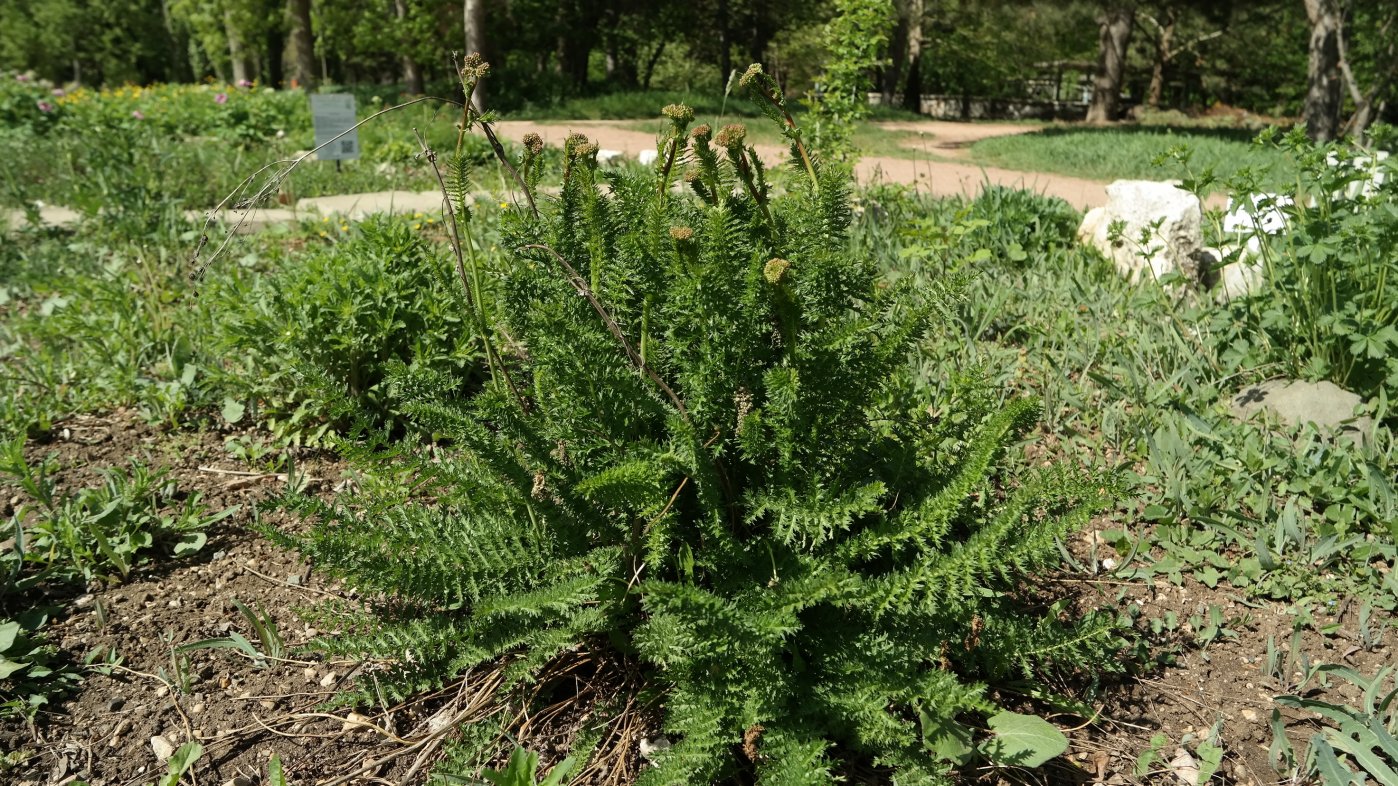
x,y
705,452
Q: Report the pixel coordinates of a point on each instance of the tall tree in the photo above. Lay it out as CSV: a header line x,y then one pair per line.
x,y
1369,104
905,55
1114,37
473,24
303,58
1324,94
412,72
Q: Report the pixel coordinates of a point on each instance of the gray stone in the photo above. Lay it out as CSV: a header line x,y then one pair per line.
x,y
1324,404
1166,216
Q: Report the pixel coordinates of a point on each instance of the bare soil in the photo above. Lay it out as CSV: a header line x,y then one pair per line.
x,y
243,714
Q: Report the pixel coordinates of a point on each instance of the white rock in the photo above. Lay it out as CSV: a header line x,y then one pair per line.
x,y
1167,217
1239,279
1185,767
163,748
1264,215
1371,173
605,156
647,157
651,747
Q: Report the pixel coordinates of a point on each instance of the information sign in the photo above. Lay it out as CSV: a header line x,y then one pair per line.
x,y
333,115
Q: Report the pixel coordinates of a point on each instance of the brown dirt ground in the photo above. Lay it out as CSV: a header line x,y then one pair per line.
x,y
243,714
932,173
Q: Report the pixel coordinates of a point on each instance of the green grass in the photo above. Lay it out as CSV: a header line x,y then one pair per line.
x,y
1130,153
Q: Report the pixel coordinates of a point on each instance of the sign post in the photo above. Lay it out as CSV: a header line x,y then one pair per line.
x,y
333,115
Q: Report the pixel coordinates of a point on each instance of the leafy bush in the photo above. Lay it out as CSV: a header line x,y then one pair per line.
x,y
331,324
1003,224
704,449
1328,308
27,105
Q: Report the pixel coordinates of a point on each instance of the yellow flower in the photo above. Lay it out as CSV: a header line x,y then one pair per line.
x,y
417,226
344,227
504,205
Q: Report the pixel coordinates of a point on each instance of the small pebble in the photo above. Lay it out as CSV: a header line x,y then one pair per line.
x,y
85,601
116,704
163,748
294,579
328,679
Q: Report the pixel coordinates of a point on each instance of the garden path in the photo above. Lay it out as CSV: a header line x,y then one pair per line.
x,y
934,174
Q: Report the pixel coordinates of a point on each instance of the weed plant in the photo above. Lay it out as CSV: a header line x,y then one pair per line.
x,y
1129,374
333,322
1327,308
702,448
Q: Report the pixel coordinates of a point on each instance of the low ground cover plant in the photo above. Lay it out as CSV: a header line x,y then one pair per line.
x,y
333,323
1326,308
702,450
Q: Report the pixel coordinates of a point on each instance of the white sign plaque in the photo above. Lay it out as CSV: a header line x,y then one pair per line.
x,y
333,114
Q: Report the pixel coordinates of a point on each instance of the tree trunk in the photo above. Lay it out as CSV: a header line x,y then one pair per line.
x,y
237,53
898,55
1369,106
1111,64
1324,85
276,47
651,63
412,74
473,23
912,88
1164,39
303,54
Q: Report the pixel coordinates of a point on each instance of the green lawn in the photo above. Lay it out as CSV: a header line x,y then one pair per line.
x,y
1133,152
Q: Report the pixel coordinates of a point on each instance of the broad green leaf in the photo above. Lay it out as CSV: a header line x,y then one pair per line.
x,y
946,738
8,667
1023,740
9,632
190,542
233,410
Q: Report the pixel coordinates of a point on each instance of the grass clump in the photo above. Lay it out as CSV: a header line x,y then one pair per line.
x,y
708,457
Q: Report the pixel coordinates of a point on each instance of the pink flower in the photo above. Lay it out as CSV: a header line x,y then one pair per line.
x,y
138,114
221,98
21,77
59,92
244,83
45,106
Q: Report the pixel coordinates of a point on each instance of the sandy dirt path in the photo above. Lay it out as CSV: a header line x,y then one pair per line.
x,y
929,173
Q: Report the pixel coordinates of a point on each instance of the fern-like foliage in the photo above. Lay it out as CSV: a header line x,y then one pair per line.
x,y
712,451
